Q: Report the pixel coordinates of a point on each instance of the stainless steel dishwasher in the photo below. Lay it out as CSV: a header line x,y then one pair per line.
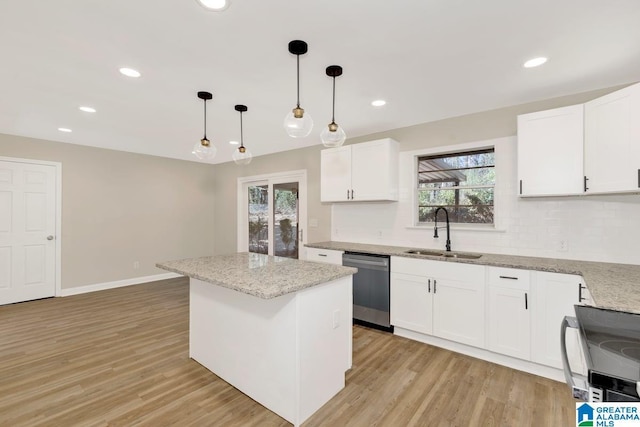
x,y
370,289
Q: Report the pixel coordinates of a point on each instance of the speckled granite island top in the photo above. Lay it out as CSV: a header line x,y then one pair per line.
x,y
259,275
614,286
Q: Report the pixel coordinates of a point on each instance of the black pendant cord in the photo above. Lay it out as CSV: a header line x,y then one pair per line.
x,y
333,108
241,133
205,119
298,78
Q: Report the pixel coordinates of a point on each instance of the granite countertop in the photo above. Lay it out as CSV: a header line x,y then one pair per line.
x,y
259,275
613,286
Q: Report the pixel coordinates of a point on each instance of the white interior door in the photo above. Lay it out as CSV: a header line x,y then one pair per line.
x,y
27,231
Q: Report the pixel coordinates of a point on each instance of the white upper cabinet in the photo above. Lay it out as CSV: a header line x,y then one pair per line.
x,y
612,142
550,147
360,172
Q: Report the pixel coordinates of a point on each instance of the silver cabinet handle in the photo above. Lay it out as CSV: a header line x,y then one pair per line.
x,y
301,235
351,194
429,289
347,194
526,301
509,277
434,286
49,237
322,255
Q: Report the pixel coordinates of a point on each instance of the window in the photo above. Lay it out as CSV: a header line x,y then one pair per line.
x,y
462,182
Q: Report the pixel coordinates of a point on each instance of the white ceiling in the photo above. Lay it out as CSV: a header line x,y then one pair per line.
x,y
430,59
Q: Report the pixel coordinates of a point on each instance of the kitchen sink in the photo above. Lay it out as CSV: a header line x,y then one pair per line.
x,y
458,255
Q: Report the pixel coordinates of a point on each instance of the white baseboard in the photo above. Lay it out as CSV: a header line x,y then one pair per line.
x,y
489,356
116,284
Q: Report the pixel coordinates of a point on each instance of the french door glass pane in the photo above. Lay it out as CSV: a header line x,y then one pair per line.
x,y
258,219
285,221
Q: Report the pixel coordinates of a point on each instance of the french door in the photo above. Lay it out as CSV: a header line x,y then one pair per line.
x,y
272,214
29,226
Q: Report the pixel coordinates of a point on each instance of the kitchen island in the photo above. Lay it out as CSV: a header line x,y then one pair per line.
x,y
277,329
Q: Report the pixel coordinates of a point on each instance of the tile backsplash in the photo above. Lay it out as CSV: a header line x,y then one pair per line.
x,y
592,228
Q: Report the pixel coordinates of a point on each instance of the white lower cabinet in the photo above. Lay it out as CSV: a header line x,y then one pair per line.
x,y
554,297
521,312
326,256
439,298
509,315
411,302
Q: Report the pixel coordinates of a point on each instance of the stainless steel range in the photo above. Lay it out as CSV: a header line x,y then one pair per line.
x,y
611,344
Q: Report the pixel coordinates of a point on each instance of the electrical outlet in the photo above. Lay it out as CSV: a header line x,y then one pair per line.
x,y
336,319
562,246
136,265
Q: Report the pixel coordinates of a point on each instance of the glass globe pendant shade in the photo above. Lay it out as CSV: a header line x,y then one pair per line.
x,y
332,135
298,125
214,5
204,150
242,156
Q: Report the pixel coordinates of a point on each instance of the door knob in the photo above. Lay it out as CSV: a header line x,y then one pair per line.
x,y
49,237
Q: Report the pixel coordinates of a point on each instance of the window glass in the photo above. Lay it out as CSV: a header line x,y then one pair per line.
x,y
462,182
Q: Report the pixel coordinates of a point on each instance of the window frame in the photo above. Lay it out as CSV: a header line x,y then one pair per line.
x,y
452,150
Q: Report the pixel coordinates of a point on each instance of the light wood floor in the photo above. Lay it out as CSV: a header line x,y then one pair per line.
x,y
120,358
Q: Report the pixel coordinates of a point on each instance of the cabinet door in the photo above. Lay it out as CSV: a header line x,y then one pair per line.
x,y
550,152
374,172
458,310
509,321
411,303
324,255
612,142
335,174
554,297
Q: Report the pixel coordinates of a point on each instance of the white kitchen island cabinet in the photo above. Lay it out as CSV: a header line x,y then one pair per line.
x,y
277,329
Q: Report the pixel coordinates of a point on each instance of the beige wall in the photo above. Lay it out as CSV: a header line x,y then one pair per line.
x,y
472,127
122,207
118,208
227,175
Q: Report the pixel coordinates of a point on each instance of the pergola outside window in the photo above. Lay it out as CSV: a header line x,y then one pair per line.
x,y
461,182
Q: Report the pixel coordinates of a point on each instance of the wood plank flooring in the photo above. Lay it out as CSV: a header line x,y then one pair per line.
x,y
120,358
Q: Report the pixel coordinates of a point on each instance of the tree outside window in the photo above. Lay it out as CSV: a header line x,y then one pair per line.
x,y
462,182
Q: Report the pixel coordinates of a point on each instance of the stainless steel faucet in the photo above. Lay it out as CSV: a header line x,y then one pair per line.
x,y
435,229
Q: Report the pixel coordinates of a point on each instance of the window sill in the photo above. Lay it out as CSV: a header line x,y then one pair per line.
x,y
459,227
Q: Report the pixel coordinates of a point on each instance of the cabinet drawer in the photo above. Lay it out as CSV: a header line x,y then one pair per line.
x,y
512,278
324,255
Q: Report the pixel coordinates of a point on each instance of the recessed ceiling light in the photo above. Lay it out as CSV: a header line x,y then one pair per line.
x,y
87,109
65,130
378,102
215,5
234,142
130,72
535,62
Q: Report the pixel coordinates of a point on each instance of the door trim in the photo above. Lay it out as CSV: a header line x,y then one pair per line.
x,y
272,178
58,258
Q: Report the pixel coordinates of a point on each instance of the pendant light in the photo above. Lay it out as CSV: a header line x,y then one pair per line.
x,y
333,135
242,156
297,123
214,5
204,150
